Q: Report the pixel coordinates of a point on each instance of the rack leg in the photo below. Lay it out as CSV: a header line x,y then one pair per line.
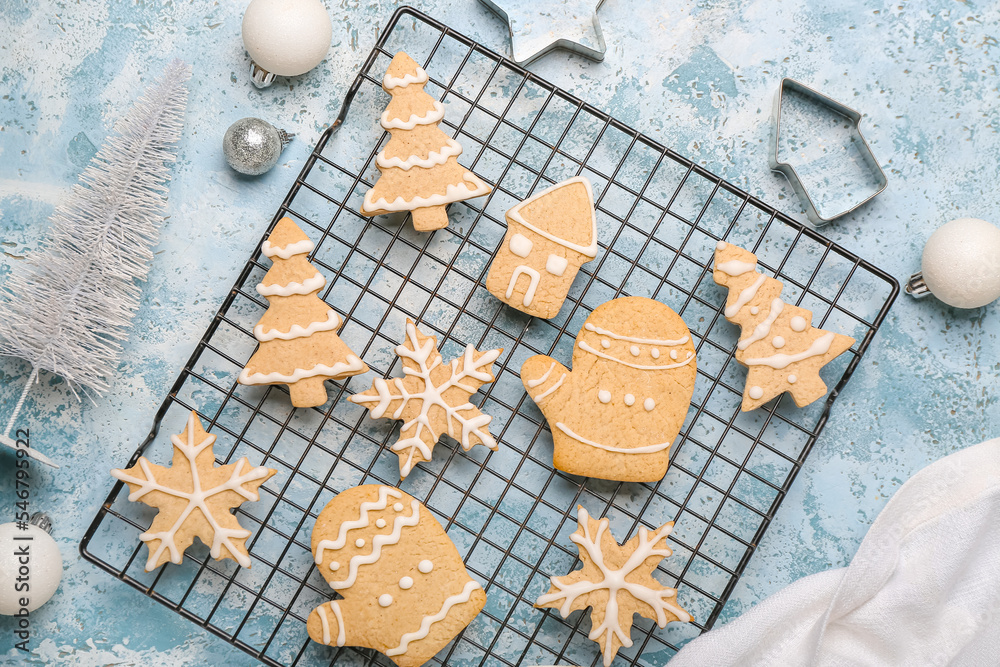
x,y
429,218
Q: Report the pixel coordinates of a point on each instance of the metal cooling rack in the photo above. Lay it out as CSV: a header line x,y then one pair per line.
x,y
509,512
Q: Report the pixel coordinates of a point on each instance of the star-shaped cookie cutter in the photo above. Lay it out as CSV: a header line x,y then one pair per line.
x,y
539,27
856,137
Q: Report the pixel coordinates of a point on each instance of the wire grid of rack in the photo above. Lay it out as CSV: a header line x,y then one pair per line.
x,y
509,512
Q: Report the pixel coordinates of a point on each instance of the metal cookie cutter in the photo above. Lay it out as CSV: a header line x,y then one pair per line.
x,y
856,137
539,27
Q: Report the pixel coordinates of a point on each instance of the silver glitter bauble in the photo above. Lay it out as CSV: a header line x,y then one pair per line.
x,y
252,146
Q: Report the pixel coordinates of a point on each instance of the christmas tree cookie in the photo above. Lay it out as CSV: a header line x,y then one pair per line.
x,y
615,415
419,165
615,582
406,590
194,498
299,345
780,348
549,237
432,398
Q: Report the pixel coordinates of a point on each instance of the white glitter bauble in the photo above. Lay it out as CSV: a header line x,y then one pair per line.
x,y
40,570
285,37
961,263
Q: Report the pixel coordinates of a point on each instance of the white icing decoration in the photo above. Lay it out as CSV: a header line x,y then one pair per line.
x,y
615,580
341,633
755,392
380,523
534,383
629,400
778,342
331,323
454,192
363,521
754,310
556,265
390,82
649,404
632,339
551,389
745,297
798,323
634,350
673,354
583,346
588,250
792,379
398,507
520,245
778,361
534,276
432,396
196,500
655,353
605,343
735,267
604,396
425,566
379,541
647,449
433,116
428,621
360,542
334,566
721,245
384,600
325,623
297,248
764,328
309,286
451,149
353,364
406,583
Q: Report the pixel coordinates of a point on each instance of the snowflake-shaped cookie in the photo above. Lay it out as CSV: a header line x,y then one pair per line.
x,y
432,398
194,498
608,570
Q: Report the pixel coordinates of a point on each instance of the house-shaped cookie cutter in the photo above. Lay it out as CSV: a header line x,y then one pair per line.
x,y
857,137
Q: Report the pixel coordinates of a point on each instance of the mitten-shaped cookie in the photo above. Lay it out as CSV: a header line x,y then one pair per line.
x,y
406,591
615,415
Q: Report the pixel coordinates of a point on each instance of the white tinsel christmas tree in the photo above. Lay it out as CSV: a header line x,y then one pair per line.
x,y
67,308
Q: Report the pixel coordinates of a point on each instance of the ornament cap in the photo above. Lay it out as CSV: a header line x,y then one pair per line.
x,y
916,287
42,520
260,77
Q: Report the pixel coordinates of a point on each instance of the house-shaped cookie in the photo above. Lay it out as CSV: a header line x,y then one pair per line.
x,y
549,237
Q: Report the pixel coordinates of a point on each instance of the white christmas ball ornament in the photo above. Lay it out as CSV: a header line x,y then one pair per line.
x,y
30,567
285,37
961,264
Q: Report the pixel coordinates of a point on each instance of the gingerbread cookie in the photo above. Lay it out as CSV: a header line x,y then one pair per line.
x,y
299,345
419,166
549,237
615,415
778,345
194,498
615,582
432,398
406,591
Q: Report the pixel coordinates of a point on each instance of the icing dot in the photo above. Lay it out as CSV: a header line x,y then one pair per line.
x,y
689,355
406,583
721,245
425,566
359,543
798,323
673,354
629,399
634,350
334,566
778,342
605,343
398,507
649,404
654,353
385,599
380,523
756,392
754,310
604,396
792,379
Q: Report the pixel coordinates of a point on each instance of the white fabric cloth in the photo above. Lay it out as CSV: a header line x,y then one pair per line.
x,y
923,589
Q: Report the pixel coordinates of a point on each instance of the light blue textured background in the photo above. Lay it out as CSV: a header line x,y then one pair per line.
x,y
698,76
